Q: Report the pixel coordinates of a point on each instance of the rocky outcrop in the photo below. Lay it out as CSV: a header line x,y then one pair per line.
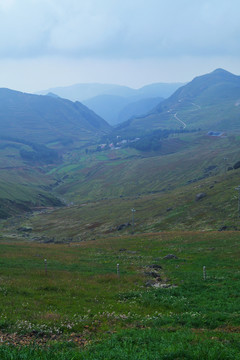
x,y
200,196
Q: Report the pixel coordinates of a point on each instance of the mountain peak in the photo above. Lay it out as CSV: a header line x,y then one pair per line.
x,y
53,95
201,83
220,71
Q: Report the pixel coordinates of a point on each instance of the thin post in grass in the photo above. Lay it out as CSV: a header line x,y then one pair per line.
x,y
133,211
238,189
204,273
45,266
118,270
226,164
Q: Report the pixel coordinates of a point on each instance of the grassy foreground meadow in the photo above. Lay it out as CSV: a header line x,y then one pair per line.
x,y
78,307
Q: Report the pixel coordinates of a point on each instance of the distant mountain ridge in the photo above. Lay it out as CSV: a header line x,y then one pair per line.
x,y
83,92
109,100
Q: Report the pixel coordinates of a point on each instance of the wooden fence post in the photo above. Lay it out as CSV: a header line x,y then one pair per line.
x,y
204,273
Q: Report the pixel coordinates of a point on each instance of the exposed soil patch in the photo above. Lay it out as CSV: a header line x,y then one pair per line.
x,y
39,339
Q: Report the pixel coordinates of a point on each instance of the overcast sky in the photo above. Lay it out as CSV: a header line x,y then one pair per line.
x,y
48,43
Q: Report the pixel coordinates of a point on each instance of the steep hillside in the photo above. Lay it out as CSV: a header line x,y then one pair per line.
x,y
35,132
208,90
209,102
24,184
45,119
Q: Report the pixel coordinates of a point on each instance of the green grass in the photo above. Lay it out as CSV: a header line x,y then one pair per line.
x,y
149,181
118,317
114,174
144,345
23,185
170,210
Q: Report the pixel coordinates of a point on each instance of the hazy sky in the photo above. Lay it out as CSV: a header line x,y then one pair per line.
x,y
47,43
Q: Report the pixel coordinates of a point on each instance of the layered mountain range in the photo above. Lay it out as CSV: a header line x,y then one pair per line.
x,y
54,151
116,103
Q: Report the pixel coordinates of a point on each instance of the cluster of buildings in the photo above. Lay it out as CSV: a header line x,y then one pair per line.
x,y
117,145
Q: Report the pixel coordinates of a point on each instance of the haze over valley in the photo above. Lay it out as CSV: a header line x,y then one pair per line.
x,y
119,180
76,156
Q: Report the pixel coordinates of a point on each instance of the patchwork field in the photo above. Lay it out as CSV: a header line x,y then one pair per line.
x,y
75,305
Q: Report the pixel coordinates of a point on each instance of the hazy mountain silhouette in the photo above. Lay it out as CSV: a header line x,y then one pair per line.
x,y
45,118
82,92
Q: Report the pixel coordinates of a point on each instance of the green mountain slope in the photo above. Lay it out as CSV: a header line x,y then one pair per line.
x,y
45,119
162,186
208,102
181,160
163,191
35,132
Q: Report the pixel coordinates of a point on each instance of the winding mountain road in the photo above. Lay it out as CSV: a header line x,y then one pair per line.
x,y
198,107
182,122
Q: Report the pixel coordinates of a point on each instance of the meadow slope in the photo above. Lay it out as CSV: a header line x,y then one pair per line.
x,y
154,308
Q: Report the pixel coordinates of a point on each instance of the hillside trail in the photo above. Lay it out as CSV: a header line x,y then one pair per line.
x,y
197,106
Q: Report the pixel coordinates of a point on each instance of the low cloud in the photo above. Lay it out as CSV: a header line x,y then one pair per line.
x,y
112,28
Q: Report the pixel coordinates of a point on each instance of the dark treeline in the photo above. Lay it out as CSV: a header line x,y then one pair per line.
x,y
153,141
39,152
